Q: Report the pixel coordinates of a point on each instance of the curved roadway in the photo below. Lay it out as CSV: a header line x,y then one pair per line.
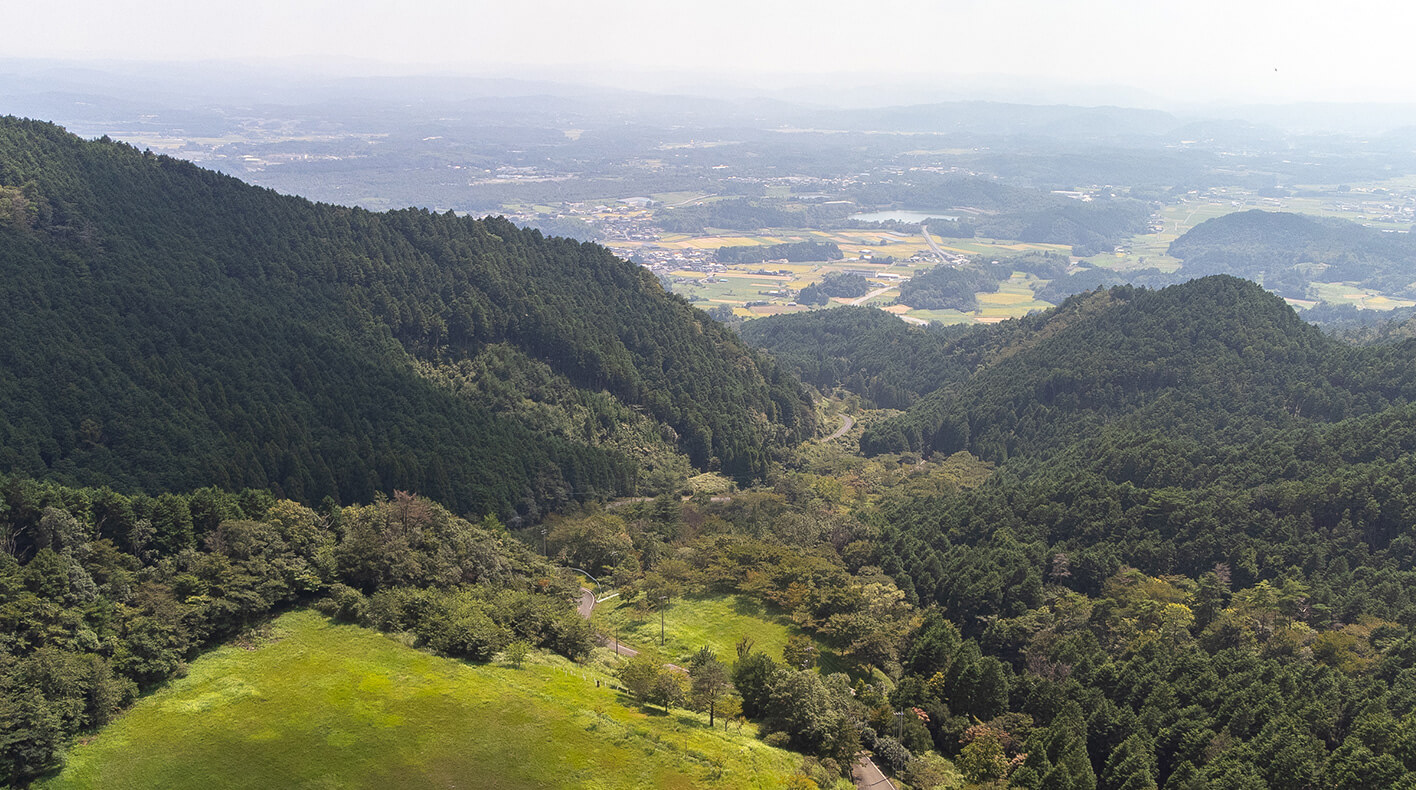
x,y
867,776
935,247
846,424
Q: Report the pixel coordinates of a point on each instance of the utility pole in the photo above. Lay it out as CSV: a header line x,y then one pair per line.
x,y
662,605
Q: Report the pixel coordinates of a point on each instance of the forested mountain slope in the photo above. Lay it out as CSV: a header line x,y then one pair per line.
x,y
1216,358
877,355
167,327
1194,560
1288,251
1197,558
867,350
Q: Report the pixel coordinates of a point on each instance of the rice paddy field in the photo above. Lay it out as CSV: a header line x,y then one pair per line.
x,y
768,288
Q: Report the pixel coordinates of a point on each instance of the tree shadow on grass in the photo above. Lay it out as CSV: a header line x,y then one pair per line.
x,y
684,717
829,661
750,607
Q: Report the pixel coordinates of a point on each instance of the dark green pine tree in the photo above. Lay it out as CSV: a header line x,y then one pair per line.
x,y
1057,755
1290,757
1131,766
1184,777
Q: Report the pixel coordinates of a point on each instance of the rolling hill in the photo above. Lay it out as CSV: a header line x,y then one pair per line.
x,y
1286,252
169,327
1214,357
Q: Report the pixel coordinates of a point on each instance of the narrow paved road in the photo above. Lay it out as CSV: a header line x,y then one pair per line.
x,y
935,247
867,776
863,299
587,606
846,423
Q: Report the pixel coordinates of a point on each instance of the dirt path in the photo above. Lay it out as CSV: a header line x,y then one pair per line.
x,y
846,423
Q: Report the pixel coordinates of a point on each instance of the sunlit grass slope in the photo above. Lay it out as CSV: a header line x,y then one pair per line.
x,y
326,706
717,622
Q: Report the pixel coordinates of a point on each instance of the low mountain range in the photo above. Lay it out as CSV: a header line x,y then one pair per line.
x,y
168,327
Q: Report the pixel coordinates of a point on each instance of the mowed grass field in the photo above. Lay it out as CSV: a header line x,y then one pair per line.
x,y
690,624
1353,294
338,706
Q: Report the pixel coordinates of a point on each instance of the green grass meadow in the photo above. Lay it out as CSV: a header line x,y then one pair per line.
x,y
322,705
690,624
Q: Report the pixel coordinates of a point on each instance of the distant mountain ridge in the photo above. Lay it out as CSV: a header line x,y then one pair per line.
x,y
169,327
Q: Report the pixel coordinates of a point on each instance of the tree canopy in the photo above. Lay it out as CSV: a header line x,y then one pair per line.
x,y
171,327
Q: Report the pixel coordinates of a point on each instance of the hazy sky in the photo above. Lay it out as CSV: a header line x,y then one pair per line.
x,y
1267,50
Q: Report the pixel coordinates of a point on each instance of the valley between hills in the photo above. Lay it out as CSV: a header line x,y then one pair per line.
x,y
296,493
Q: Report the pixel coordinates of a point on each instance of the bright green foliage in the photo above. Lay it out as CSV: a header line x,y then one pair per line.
x,y
983,759
652,683
83,627
339,706
670,689
715,621
709,682
638,675
754,676
516,652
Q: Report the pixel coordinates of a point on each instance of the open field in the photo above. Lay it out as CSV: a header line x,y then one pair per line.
x,y
1385,204
1014,299
740,284
940,316
325,706
1350,293
1389,204
998,247
690,624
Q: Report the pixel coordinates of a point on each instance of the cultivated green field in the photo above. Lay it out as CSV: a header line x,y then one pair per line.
x,y
717,621
326,706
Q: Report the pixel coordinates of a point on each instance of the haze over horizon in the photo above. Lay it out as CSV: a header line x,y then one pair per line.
x,y
1026,50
